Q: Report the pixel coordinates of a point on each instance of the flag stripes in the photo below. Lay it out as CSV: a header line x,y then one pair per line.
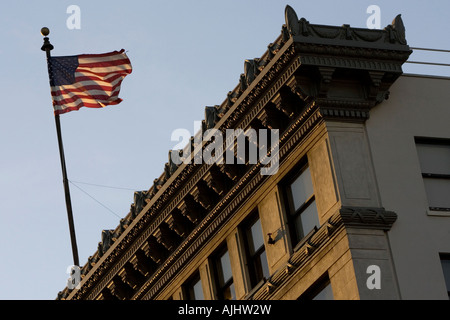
x,y
88,80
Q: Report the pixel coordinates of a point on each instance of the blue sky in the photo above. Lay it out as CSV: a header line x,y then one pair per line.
x,y
185,55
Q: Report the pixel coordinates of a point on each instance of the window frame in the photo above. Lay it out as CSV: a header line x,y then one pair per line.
x,y
256,273
446,257
293,215
431,175
190,284
316,288
218,273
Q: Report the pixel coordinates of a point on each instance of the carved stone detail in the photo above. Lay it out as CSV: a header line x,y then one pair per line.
x,y
204,195
288,102
211,116
300,29
107,295
291,21
139,200
191,209
272,117
217,180
397,30
156,251
131,276
107,241
369,218
326,75
170,167
142,263
120,289
167,237
179,223
231,170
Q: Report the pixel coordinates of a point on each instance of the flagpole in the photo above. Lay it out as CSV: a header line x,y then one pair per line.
x,y
47,47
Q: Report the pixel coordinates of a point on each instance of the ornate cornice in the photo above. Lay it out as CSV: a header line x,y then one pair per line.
x,y
336,58
390,38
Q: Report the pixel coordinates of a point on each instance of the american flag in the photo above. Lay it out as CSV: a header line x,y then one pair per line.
x,y
87,80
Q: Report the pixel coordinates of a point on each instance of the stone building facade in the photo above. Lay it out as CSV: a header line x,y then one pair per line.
x,y
346,215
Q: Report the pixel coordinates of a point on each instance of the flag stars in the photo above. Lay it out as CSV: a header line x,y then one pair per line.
x,y
63,70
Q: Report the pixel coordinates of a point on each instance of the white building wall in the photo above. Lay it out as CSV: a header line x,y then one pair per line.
x,y
417,106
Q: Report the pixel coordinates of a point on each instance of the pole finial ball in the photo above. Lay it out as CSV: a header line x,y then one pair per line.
x,y
45,31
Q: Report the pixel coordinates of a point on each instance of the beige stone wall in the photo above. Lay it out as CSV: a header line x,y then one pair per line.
x,y
334,259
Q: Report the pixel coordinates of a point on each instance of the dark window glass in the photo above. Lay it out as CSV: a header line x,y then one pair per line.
x,y
257,260
194,288
326,293
224,276
445,262
434,158
320,290
303,215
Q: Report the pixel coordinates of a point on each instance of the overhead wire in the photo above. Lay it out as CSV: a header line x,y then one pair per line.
x,y
103,205
430,63
430,49
103,186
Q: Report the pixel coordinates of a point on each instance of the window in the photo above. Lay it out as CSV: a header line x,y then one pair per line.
x,y
224,277
434,158
325,293
303,216
445,262
256,252
194,289
320,290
